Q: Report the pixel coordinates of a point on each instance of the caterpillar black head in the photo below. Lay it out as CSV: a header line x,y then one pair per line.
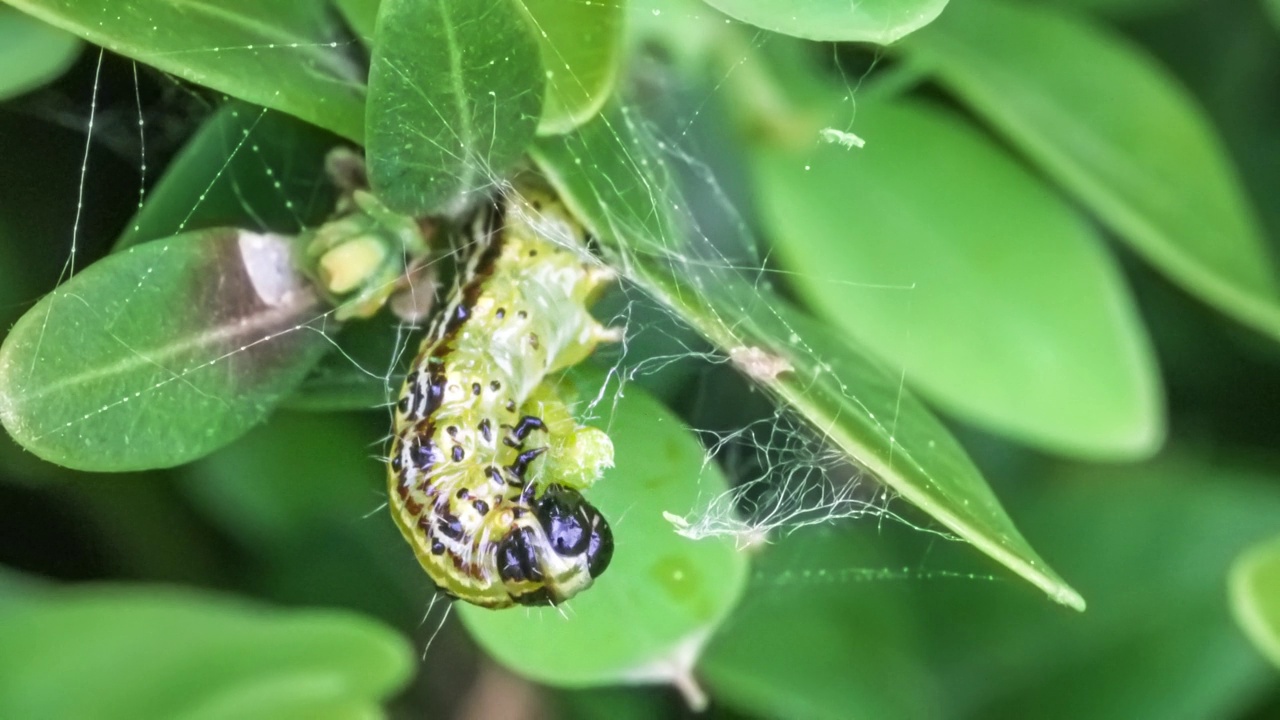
x,y
561,555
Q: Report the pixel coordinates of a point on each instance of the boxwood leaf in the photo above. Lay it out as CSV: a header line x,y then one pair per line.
x,y
455,89
662,595
1118,132
157,355
32,53
283,55
581,45
610,174
114,653
950,261
877,21
1255,596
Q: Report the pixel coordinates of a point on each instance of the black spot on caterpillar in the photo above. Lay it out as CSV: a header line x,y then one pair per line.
x,y
500,520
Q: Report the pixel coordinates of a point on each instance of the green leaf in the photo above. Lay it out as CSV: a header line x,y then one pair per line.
x,y
287,56
613,180
158,355
1151,546
455,89
877,21
662,595
32,53
246,167
1115,130
1255,596
581,45
113,653
803,623
950,261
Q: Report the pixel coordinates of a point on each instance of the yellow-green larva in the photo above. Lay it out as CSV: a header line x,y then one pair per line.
x,y
487,464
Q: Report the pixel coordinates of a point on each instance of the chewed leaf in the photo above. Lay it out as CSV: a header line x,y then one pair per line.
x,y
1255,596
455,90
931,228
111,653
662,594
877,21
1115,130
283,55
31,53
246,167
581,46
157,355
610,175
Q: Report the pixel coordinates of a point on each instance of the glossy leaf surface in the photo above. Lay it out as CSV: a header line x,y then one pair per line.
x,y
157,355
113,653
581,44
282,55
613,179
32,53
949,261
1115,130
582,47
877,21
455,90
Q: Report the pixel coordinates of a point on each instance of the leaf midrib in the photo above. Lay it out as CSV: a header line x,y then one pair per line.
x,y
157,356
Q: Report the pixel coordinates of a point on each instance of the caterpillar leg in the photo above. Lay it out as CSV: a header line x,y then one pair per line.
x,y
576,455
565,543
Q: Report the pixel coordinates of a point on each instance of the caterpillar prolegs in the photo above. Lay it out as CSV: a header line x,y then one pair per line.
x,y
487,463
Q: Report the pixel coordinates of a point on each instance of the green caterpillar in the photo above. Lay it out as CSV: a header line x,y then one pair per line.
x,y
487,463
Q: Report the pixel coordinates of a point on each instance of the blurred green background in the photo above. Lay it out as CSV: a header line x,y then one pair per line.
x,y
1143,468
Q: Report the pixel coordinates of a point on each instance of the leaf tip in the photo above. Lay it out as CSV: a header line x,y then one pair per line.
x,y
1066,595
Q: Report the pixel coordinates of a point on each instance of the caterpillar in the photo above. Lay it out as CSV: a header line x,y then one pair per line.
x,y
486,464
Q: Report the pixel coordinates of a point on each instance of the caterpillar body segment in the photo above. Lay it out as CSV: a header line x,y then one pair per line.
x,y
487,464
